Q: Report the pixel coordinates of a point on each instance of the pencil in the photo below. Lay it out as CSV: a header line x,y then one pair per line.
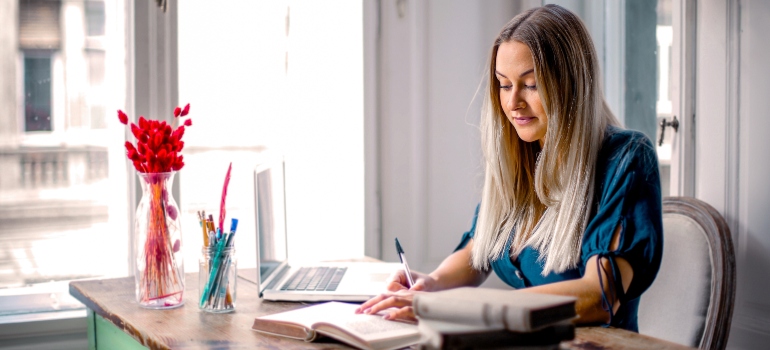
x,y
202,218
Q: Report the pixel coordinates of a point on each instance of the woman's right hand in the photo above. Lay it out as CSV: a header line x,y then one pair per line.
x,y
422,282
399,296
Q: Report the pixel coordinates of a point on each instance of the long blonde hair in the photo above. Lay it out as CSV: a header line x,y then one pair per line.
x,y
543,197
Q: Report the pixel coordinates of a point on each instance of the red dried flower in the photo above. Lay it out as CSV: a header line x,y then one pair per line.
x,y
180,129
132,154
157,143
122,117
139,166
185,110
136,131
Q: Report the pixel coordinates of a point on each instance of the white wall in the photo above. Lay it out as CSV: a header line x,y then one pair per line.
x,y
432,57
732,159
751,321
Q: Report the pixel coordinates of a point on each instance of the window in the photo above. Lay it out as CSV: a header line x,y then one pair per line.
x,y
292,82
63,188
37,92
94,11
634,41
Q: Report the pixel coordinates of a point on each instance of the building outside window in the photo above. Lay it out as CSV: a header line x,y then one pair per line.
x,y
63,178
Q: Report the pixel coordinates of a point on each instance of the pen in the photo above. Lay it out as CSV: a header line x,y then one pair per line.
x,y
233,227
402,256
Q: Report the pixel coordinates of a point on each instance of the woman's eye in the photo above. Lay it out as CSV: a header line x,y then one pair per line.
x,y
505,87
530,87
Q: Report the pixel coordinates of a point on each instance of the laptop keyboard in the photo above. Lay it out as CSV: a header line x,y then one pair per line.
x,y
315,278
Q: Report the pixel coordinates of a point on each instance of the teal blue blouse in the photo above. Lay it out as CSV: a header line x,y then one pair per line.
x,y
627,193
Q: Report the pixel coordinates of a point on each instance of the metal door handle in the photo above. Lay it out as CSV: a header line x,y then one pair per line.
x,y
674,123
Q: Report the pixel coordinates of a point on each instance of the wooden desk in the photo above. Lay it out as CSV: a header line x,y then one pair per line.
x,y
116,321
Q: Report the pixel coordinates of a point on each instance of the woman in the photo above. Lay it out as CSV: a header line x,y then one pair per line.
x,y
571,203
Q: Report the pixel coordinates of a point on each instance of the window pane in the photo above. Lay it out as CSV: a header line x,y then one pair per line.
x,y
235,111
63,185
95,18
664,36
37,93
633,40
289,82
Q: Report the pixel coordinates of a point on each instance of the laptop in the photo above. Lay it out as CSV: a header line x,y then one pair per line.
x,y
277,280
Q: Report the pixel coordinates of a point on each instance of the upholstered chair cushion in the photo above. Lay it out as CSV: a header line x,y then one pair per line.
x,y
675,307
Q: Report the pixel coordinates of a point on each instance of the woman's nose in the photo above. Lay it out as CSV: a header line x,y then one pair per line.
x,y
514,102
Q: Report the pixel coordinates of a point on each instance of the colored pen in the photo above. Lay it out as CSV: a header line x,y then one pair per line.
x,y
233,227
402,256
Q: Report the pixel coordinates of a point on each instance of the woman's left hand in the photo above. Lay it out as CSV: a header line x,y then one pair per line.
x,y
401,300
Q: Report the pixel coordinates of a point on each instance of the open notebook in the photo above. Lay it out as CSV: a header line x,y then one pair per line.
x,y
277,280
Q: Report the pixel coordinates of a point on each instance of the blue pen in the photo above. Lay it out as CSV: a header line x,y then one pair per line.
x,y
233,227
233,224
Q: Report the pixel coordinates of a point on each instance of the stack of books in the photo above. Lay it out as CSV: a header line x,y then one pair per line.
x,y
463,318
480,318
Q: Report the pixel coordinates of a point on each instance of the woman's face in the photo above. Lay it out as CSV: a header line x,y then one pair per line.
x,y
515,71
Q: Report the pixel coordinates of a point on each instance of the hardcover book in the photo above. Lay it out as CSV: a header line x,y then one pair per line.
x,y
495,308
452,336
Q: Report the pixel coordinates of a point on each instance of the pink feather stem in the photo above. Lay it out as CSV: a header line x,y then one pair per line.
x,y
222,204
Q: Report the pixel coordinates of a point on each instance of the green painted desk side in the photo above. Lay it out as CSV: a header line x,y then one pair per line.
x,y
102,334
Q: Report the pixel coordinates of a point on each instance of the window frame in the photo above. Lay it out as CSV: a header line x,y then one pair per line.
x,y
151,86
683,97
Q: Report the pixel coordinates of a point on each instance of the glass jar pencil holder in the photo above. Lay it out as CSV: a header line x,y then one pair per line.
x,y
217,279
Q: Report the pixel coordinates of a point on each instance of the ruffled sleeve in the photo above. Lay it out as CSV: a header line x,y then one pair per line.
x,y
629,196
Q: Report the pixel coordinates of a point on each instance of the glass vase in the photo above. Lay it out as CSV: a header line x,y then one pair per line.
x,y
159,272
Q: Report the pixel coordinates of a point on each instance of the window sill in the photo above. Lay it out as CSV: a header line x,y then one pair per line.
x,y
43,324
40,310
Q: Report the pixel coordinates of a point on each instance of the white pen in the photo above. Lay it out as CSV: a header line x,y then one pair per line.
x,y
402,256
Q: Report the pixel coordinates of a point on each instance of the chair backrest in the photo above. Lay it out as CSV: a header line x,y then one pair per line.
x,y
691,300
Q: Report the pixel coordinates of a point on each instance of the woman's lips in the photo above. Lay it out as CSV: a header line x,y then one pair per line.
x,y
523,120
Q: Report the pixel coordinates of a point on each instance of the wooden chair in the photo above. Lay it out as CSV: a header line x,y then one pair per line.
x,y
691,300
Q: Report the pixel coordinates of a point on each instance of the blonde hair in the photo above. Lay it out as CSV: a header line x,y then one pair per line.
x,y
543,197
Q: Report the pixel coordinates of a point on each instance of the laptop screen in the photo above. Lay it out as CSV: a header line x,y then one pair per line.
x,y
271,217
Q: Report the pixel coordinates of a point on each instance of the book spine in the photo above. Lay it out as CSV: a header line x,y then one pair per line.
x,y
284,330
548,337
515,319
545,338
472,312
